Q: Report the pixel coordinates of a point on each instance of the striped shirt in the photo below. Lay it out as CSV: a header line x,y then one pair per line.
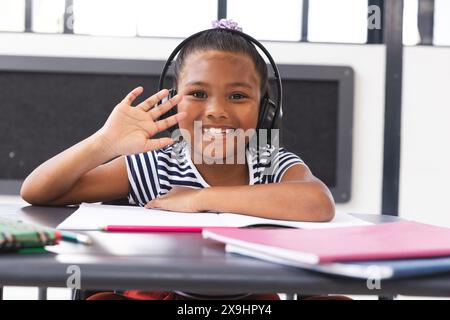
x,y
154,173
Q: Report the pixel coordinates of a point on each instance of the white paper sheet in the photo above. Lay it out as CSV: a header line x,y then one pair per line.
x,y
96,216
340,220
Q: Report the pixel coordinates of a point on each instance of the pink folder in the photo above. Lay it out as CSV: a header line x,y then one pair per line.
x,y
396,240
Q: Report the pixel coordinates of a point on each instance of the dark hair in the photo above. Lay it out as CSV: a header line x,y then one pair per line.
x,y
222,40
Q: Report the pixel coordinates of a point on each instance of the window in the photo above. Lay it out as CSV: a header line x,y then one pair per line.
x,y
333,21
338,21
12,15
48,16
105,17
143,17
410,27
442,22
174,18
270,20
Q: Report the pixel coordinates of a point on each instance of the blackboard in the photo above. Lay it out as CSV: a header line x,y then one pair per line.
x,y
43,112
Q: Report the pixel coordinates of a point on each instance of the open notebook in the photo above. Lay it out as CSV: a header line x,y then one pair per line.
x,y
96,216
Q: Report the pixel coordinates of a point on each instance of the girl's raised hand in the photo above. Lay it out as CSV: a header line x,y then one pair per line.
x,y
128,129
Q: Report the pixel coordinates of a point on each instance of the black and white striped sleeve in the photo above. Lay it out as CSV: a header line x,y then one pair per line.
x,y
283,161
142,177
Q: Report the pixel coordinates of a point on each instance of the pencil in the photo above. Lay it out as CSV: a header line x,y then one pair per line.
x,y
152,228
77,238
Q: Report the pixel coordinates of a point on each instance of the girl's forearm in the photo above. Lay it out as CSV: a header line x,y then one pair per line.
x,y
298,201
57,175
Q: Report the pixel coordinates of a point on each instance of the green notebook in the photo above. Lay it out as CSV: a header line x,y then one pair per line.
x,y
16,235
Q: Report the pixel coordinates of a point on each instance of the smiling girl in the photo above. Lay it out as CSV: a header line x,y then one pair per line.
x,y
220,79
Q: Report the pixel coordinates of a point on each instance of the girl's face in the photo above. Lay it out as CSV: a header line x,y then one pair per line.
x,y
222,90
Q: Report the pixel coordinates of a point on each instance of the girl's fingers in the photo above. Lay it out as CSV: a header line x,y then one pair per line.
x,y
153,144
153,100
155,113
163,124
132,95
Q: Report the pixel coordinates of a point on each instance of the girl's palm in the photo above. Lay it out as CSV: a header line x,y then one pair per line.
x,y
128,129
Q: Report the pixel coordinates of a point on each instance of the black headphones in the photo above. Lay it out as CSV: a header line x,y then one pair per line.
x,y
270,112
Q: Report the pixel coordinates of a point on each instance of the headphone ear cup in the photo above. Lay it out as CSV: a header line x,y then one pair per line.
x,y
267,114
272,116
262,112
172,111
172,93
267,120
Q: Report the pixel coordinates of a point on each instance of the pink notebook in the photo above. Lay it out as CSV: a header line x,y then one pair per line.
x,y
396,240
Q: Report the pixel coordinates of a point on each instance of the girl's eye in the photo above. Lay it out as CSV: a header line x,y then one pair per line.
x,y
237,96
199,94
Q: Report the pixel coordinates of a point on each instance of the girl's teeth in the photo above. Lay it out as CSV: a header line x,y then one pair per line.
x,y
217,131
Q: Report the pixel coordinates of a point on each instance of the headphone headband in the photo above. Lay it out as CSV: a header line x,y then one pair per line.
x,y
250,39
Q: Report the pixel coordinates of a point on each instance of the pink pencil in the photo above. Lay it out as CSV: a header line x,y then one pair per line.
x,y
151,229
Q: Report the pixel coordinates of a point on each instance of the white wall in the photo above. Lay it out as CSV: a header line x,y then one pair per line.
x,y
425,154
367,61
85,46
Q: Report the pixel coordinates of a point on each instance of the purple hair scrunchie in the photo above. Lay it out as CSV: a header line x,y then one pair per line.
x,y
226,24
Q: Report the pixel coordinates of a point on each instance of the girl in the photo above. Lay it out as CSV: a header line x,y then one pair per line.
x,y
220,79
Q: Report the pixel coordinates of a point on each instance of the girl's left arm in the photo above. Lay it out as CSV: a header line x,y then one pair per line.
x,y
300,196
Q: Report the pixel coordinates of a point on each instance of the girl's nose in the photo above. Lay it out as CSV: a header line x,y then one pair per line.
x,y
216,109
